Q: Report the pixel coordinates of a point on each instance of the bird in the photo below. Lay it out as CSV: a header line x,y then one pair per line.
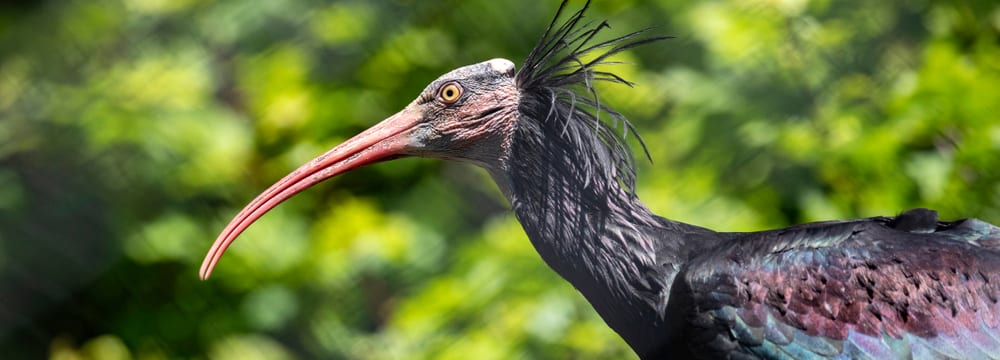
x,y
885,287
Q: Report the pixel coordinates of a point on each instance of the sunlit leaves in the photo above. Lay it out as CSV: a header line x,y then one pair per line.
x,y
404,52
269,307
166,239
272,246
275,87
249,347
108,347
344,23
354,237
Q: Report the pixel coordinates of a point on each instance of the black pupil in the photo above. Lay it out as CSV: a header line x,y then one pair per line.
x,y
449,92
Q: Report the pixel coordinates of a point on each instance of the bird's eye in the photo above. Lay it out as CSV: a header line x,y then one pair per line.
x,y
450,93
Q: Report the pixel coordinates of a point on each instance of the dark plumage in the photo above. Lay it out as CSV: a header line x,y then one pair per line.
x,y
855,289
883,287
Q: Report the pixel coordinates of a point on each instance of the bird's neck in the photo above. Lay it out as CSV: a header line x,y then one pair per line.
x,y
594,233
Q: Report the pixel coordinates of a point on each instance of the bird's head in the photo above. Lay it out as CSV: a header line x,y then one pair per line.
x,y
470,114
465,115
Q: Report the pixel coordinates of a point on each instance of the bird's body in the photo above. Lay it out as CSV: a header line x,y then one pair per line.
x,y
876,288
857,289
884,287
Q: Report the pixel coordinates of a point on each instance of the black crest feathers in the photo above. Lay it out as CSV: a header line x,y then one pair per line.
x,y
559,75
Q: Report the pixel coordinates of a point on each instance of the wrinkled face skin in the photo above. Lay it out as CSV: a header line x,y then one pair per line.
x,y
467,114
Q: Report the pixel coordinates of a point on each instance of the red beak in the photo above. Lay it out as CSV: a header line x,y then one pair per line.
x,y
384,141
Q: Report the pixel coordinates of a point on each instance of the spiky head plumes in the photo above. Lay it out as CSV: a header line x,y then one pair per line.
x,y
557,88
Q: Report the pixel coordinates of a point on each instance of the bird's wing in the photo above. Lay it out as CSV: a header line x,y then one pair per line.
x,y
875,288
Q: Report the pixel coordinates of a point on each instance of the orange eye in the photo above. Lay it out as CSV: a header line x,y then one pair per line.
x,y
450,93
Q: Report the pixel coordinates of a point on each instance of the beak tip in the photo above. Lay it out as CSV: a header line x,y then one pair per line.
x,y
206,268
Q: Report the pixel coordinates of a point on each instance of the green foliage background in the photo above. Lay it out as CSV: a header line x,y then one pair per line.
x,y
131,131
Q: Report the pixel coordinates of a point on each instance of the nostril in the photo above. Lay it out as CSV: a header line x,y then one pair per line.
x,y
490,111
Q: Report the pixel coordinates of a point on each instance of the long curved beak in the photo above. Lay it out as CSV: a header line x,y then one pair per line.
x,y
384,141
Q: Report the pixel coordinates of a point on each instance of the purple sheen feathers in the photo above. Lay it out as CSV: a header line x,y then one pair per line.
x,y
854,291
